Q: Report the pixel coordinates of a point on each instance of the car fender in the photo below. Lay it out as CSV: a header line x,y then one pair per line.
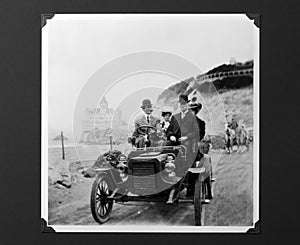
x,y
111,173
204,168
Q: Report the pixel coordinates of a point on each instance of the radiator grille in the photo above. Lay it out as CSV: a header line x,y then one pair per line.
x,y
143,179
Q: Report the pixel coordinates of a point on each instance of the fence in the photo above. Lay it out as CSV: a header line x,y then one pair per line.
x,y
87,153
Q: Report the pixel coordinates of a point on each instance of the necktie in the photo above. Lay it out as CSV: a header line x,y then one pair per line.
x,y
148,119
182,115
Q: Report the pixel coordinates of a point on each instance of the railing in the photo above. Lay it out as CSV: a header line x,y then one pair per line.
x,y
215,76
221,75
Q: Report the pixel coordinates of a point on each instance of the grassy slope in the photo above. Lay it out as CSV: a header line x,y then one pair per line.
x,y
219,106
233,200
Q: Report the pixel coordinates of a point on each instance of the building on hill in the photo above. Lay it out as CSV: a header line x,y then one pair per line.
x,y
100,118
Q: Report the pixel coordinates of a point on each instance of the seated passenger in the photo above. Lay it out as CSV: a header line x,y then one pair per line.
x,y
166,114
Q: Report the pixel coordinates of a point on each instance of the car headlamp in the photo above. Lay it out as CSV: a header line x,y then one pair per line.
x,y
122,167
122,163
122,158
169,167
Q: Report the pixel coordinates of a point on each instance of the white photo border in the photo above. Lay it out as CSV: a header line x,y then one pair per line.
x,y
131,228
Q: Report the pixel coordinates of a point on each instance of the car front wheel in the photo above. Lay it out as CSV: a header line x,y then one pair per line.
x,y
101,206
198,207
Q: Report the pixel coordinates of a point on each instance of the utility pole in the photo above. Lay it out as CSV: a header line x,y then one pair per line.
x,y
110,142
62,145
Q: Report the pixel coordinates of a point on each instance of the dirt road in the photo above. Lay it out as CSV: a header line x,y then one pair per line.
x,y
232,203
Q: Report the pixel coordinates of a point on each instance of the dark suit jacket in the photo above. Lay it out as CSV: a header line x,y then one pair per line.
x,y
154,121
187,126
201,125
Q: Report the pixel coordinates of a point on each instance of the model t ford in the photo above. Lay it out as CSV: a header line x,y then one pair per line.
x,y
152,174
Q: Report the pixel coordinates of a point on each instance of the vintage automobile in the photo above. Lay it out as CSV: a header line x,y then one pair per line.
x,y
149,174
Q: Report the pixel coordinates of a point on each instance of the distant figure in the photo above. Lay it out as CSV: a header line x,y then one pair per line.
x,y
242,138
246,137
233,124
229,136
231,132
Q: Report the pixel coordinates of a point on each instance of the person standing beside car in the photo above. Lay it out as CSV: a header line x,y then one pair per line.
x,y
183,126
202,158
183,130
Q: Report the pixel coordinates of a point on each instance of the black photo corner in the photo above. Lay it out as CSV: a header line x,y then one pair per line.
x,y
20,103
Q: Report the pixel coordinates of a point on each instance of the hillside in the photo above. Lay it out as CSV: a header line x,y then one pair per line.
x,y
232,67
221,98
220,84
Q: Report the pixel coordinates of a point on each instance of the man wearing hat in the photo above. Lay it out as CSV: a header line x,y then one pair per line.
x,y
183,125
146,119
233,124
183,130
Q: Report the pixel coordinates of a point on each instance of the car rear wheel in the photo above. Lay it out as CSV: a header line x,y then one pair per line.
x,y
101,206
198,207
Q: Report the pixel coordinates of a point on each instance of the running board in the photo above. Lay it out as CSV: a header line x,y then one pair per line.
x,y
186,200
189,201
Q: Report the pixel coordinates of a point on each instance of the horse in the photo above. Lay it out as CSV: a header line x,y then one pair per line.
x,y
229,137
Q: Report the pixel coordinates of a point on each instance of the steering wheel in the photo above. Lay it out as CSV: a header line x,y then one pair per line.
x,y
144,129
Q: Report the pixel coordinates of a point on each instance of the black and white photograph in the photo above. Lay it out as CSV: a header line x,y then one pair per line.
x,y
150,123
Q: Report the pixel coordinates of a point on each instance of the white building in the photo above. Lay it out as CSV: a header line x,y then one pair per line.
x,y
101,117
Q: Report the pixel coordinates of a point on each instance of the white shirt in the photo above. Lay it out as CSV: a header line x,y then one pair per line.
x,y
166,124
146,116
183,114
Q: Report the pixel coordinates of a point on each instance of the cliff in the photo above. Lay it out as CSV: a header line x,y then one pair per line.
x,y
222,97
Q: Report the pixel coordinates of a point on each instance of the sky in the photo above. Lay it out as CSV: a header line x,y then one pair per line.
x,y
80,45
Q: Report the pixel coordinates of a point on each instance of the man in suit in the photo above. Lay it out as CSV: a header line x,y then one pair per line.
x,y
196,107
183,130
139,139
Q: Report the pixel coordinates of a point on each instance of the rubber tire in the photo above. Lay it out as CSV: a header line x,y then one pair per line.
x,y
93,202
198,209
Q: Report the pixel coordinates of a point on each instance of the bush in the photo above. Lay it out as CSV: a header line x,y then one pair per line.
x,y
107,159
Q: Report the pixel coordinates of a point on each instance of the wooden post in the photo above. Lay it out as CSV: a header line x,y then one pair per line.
x,y
62,145
110,142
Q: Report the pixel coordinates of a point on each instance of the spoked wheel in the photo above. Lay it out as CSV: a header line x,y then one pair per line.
x,y
198,207
101,206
